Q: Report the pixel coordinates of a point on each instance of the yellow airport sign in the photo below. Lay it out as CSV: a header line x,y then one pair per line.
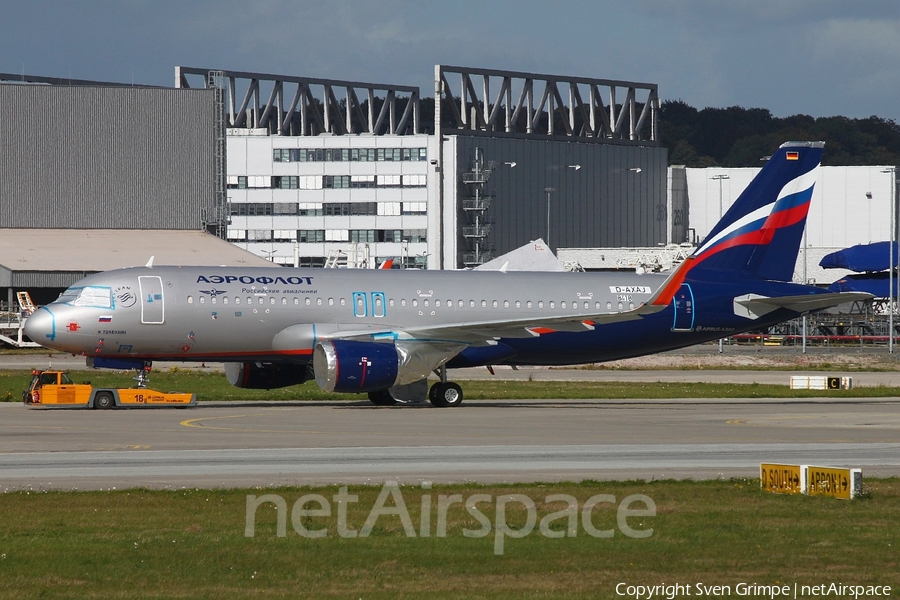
x,y
781,479
838,483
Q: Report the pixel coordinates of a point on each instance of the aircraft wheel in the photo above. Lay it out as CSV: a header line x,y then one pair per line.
x,y
104,400
382,398
444,395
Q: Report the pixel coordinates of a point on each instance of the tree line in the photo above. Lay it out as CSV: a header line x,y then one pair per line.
x,y
744,137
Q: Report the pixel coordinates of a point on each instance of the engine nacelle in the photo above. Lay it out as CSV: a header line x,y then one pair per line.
x,y
265,376
349,366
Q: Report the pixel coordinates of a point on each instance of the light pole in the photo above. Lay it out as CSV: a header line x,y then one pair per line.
x,y
719,178
893,172
549,190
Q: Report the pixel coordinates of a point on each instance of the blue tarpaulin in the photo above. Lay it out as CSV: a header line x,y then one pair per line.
x,y
864,258
877,284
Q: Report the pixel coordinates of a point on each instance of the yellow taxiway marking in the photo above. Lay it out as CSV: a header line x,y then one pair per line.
x,y
198,423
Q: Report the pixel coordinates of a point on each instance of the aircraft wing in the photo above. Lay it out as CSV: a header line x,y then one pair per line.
x,y
479,332
475,332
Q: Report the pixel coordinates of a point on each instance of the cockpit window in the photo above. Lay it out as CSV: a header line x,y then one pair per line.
x,y
94,296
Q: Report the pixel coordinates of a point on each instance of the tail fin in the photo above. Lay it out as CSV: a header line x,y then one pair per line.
x,y
759,237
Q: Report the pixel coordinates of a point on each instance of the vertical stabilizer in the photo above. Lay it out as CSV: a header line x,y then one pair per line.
x,y
759,237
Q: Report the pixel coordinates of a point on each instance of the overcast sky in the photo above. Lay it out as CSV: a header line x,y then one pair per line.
x,y
816,57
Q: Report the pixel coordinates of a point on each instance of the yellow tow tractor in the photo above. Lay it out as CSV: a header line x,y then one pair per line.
x,y
55,388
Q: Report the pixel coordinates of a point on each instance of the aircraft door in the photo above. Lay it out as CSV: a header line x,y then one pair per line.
x,y
152,306
360,305
683,303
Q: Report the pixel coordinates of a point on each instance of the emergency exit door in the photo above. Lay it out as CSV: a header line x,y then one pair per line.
x,y
683,303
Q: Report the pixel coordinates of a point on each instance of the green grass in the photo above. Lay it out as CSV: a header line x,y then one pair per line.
x,y
210,385
191,543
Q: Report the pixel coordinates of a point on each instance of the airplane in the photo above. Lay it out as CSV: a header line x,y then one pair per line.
x,y
383,332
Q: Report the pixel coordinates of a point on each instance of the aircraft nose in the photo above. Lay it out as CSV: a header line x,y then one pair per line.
x,y
41,327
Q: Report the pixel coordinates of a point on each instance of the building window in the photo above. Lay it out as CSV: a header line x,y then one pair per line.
x,y
311,236
413,208
284,235
362,235
237,182
310,209
414,180
336,182
349,154
287,182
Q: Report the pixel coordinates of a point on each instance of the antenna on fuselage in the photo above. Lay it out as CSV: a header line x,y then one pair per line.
x,y
149,264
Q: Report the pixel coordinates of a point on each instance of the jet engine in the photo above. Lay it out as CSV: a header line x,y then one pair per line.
x,y
350,366
266,376
370,366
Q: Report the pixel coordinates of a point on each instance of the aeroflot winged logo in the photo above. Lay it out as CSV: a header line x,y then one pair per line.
x,y
248,279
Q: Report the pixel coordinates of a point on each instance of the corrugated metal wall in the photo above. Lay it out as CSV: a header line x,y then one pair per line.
x,y
105,157
616,198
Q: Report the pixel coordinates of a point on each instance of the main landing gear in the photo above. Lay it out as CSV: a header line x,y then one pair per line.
x,y
443,394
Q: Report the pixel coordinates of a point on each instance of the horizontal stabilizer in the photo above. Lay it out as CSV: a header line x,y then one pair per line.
x,y
753,306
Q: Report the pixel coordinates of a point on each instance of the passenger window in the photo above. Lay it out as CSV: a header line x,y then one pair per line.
x,y
540,304
484,304
237,299
190,299
331,302
562,304
284,301
403,302
261,300
343,302
552,304
318,302
436,303
308,301
212,300
415,302
224,299
620,306
202,299
494,304
609,306
528,304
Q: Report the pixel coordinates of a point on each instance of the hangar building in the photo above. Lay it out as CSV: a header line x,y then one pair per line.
x,y
96,176
325,171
